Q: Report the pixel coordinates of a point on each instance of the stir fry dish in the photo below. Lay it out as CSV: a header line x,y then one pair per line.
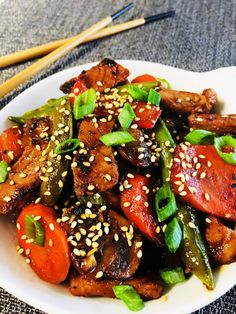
x,y
122,188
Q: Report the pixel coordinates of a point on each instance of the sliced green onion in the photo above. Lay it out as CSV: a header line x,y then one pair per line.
x,y
126,116
129,296
116,138
137,93
166,196
84,104
95,199
154,97
172,276
3,171
34,230
227,140
67,146
173,235
200,137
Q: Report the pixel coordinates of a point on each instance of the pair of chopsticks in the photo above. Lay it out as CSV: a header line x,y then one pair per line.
x,y
57,49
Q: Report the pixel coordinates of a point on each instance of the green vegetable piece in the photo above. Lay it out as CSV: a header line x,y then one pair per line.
x,y
84,104
230,158
166,197
146,86
192,250
34,230
67,146
164,83
116,138
50,190
171,276
173,235
126,116
95,199
200,137
137,93
43,111
154,97
3,171
129,296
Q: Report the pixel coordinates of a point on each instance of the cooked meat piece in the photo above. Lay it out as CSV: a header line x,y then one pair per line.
x,y
106,74
36,131
220,124
148,287
96,170
23,181
103,241
185,103
211,96
221,240
91,129
133,150
112,198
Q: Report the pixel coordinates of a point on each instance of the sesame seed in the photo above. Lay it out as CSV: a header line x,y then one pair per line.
x,y
138,244
18,226
91,187
191,225
36,218
88,242
38,147
198,166
207,196
11,182
83,231
209,164
202,175
20,251
27,260
158,229
184,147
183,193
146,204
153,158
7,199
126,204
139,254
29,241
65,218
47,193
130,175
64,174
86,164
99,83
51,226
95,245
106,230
183,163
38,200
99,274
68,157
116,237
50,242
108,177
194,174
23,237
141,156
124,228
22,175
181,188
201,156
76,252
138,198
108,159
208,220
181,155
177,160
27,251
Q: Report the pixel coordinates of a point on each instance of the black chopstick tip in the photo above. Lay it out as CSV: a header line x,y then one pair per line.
x,y
122,11
159,17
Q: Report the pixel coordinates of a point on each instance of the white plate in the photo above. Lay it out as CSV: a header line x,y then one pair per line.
x,y
18,278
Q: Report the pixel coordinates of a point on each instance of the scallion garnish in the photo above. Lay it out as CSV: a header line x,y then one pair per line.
x,y
173,235
126,116
154,97
200,137
3,171
67,146
116,138
165,202
34,230
84,104
129,296
137,93
172,276
227,140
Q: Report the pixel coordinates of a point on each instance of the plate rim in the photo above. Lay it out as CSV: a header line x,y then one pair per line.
x,y
18,293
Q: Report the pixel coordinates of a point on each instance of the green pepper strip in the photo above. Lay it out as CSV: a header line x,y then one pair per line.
x,y
193,251
165,193
43,111
54,185
197,261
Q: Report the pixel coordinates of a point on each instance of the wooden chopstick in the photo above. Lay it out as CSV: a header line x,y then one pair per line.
x,y
42,50
27,73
